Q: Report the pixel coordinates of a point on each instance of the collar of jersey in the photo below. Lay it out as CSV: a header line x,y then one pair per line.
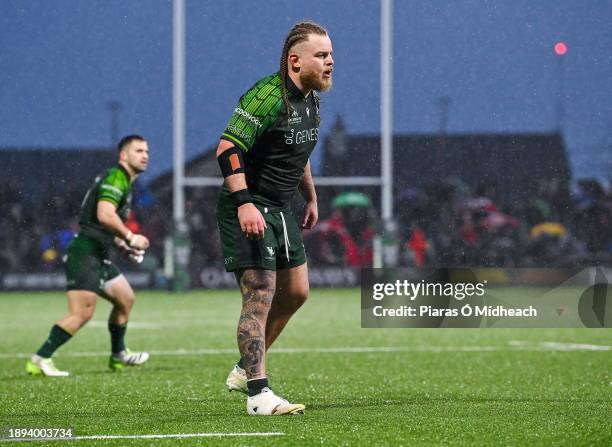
x,y
127,174
294,90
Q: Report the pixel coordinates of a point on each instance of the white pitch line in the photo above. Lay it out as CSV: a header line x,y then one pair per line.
x,y
560,346
153,436
137,325
574,346
381,349
512,346
99,324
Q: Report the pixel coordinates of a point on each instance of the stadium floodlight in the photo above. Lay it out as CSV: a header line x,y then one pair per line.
x,y
560,48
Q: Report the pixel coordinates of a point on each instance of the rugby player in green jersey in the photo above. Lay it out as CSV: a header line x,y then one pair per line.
x,y
90,273
264,156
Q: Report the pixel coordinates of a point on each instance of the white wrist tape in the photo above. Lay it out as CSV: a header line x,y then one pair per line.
x,y
137,255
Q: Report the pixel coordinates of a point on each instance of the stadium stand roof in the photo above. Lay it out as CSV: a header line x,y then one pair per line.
x,y
514,162
39,171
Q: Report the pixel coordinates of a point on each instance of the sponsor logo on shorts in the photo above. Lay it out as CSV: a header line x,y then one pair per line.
x,y
270,251
228,260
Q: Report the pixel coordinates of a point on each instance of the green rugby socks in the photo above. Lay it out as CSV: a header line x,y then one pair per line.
x,y
117,333
57,337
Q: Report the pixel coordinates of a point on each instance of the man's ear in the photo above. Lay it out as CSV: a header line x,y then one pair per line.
x,y
294,61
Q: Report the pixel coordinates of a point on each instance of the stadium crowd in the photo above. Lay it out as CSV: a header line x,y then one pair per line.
x,y
35,230
445,224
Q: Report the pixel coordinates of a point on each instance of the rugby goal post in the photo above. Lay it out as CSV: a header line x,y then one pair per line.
x,y
385,180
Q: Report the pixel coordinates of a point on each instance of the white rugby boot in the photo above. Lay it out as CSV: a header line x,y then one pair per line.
x,y
237,380
267,403
40,366
117,362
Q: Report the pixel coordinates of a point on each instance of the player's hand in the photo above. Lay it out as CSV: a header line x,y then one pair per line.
x,y
121,244
251,221
137,241
136,255
133,254
311,215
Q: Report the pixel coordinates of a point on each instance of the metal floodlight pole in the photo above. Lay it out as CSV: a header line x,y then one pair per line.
x,y
561,93
178,65
386,90
560,50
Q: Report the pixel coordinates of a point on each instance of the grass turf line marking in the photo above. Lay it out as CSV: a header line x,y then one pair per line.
x,y
561,346
574,346
99,324
153,436
512,346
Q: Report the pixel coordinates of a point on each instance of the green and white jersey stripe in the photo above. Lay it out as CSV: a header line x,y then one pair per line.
x,y
257,110
276,144
112,185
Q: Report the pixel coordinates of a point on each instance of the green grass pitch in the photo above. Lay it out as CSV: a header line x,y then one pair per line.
x,y
360,386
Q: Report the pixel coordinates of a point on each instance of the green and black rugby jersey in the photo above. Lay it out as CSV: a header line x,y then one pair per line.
x,y
276,143
112,185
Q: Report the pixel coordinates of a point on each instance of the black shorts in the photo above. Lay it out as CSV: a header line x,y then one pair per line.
x,y
86,266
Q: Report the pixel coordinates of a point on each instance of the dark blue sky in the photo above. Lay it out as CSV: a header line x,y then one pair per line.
x,y
62,61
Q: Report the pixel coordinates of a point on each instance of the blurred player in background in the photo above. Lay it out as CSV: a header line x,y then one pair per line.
x,y
264,156
89,272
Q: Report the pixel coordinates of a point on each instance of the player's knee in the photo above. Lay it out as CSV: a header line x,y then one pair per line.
x,y
258,285
259,299
129,300
84,315
294,299
300,296
126,302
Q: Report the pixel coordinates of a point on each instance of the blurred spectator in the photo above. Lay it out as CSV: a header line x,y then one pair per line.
x,y
444,224
53,244
418,248
593,218
346,238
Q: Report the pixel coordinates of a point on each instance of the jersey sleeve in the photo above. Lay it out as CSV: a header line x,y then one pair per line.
x,y
113,187
257,110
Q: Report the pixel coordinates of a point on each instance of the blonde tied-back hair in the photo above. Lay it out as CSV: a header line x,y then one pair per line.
x,y
299,33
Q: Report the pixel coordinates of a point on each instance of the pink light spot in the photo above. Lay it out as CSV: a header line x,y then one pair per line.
x,y
560,48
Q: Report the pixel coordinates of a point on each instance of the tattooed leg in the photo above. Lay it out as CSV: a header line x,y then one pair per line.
x,y
257,288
